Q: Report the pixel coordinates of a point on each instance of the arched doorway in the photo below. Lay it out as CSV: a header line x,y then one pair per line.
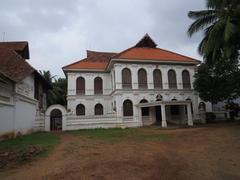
x,y
56,120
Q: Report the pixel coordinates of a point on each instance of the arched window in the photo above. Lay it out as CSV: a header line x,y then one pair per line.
x,y
80,85
127,108
98,85
126,79
202,106
145,110
142,78
80,110
186,80
157,78
98,109
172,81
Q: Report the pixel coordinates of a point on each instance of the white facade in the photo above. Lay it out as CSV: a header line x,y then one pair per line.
x,y
114,95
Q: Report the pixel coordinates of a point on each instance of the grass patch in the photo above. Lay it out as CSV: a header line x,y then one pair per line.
x,y
23,149
41,139
117,134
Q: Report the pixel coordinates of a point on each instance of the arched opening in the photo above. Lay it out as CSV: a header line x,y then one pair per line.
x,y
142,79
157,79
56,120
126,79
127,108
98,109
145,110
80,110
172,80
202,106
80,85
186,80
98,85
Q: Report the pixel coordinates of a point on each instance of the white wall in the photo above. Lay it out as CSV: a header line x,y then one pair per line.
x,y
6,119
26,86
25,114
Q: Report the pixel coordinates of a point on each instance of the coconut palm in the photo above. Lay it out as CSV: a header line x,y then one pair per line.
x,y
221,25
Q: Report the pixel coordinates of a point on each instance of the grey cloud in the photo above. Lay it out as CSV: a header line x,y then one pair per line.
x,y
60,31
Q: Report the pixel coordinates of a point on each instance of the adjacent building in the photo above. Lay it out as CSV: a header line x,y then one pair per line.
x,y
23,91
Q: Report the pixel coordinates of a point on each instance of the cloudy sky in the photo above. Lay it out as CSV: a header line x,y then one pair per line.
x,y
60,31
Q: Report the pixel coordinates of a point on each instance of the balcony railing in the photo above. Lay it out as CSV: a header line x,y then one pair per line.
x,y
98,91
80,91
127,85
142,86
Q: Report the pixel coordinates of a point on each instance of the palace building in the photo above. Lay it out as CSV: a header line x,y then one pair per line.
x,y
140,86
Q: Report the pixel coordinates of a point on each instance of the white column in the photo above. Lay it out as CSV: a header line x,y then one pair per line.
x,y
179,78
150,78
118,77
164,120
189,115
134,72
140,116
165,78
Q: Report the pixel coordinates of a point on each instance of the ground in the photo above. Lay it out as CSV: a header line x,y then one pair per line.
x,y
209,152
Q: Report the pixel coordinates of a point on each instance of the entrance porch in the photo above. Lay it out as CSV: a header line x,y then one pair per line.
x,y
165,113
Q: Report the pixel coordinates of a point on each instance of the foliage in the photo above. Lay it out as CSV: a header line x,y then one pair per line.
x,y
221,24
218,78
58,93
217,84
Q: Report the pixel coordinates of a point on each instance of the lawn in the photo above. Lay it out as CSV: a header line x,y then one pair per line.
x,y
26,148
207,152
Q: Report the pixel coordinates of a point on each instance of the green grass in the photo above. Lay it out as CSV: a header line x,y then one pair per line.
x,y
117,134
43,140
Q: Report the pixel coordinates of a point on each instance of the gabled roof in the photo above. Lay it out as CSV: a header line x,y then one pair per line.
x,y
144,50
21,47
157,54
13,66
94,61
146,41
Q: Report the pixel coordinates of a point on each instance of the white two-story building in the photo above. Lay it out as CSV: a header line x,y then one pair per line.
x,y
139,86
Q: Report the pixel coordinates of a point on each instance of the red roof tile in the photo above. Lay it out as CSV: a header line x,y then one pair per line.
x,y
13,65
145,50
144,53
21,47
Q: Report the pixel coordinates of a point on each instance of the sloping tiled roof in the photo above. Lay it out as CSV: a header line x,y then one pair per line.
x,y
145,50
13,66
145,53
21,47
95,61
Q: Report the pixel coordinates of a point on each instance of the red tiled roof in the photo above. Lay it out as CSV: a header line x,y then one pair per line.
x,y
21,47
145,53
95,61
13,65
15,45
145,50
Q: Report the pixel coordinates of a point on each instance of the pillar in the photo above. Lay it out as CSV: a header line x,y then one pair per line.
x,y
189,115
164,120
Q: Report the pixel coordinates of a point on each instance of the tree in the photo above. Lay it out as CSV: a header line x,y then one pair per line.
x,y
217,79
221,25
58,93
217,84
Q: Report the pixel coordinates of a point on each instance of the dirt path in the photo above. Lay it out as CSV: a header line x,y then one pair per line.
x,y
196,153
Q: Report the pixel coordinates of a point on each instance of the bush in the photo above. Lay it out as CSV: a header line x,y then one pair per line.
x,y
210,117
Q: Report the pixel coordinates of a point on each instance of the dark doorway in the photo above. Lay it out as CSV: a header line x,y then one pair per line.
x,y
158,113
56,120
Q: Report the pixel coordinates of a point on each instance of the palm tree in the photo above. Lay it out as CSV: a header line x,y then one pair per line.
x,y
221,25
57,94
